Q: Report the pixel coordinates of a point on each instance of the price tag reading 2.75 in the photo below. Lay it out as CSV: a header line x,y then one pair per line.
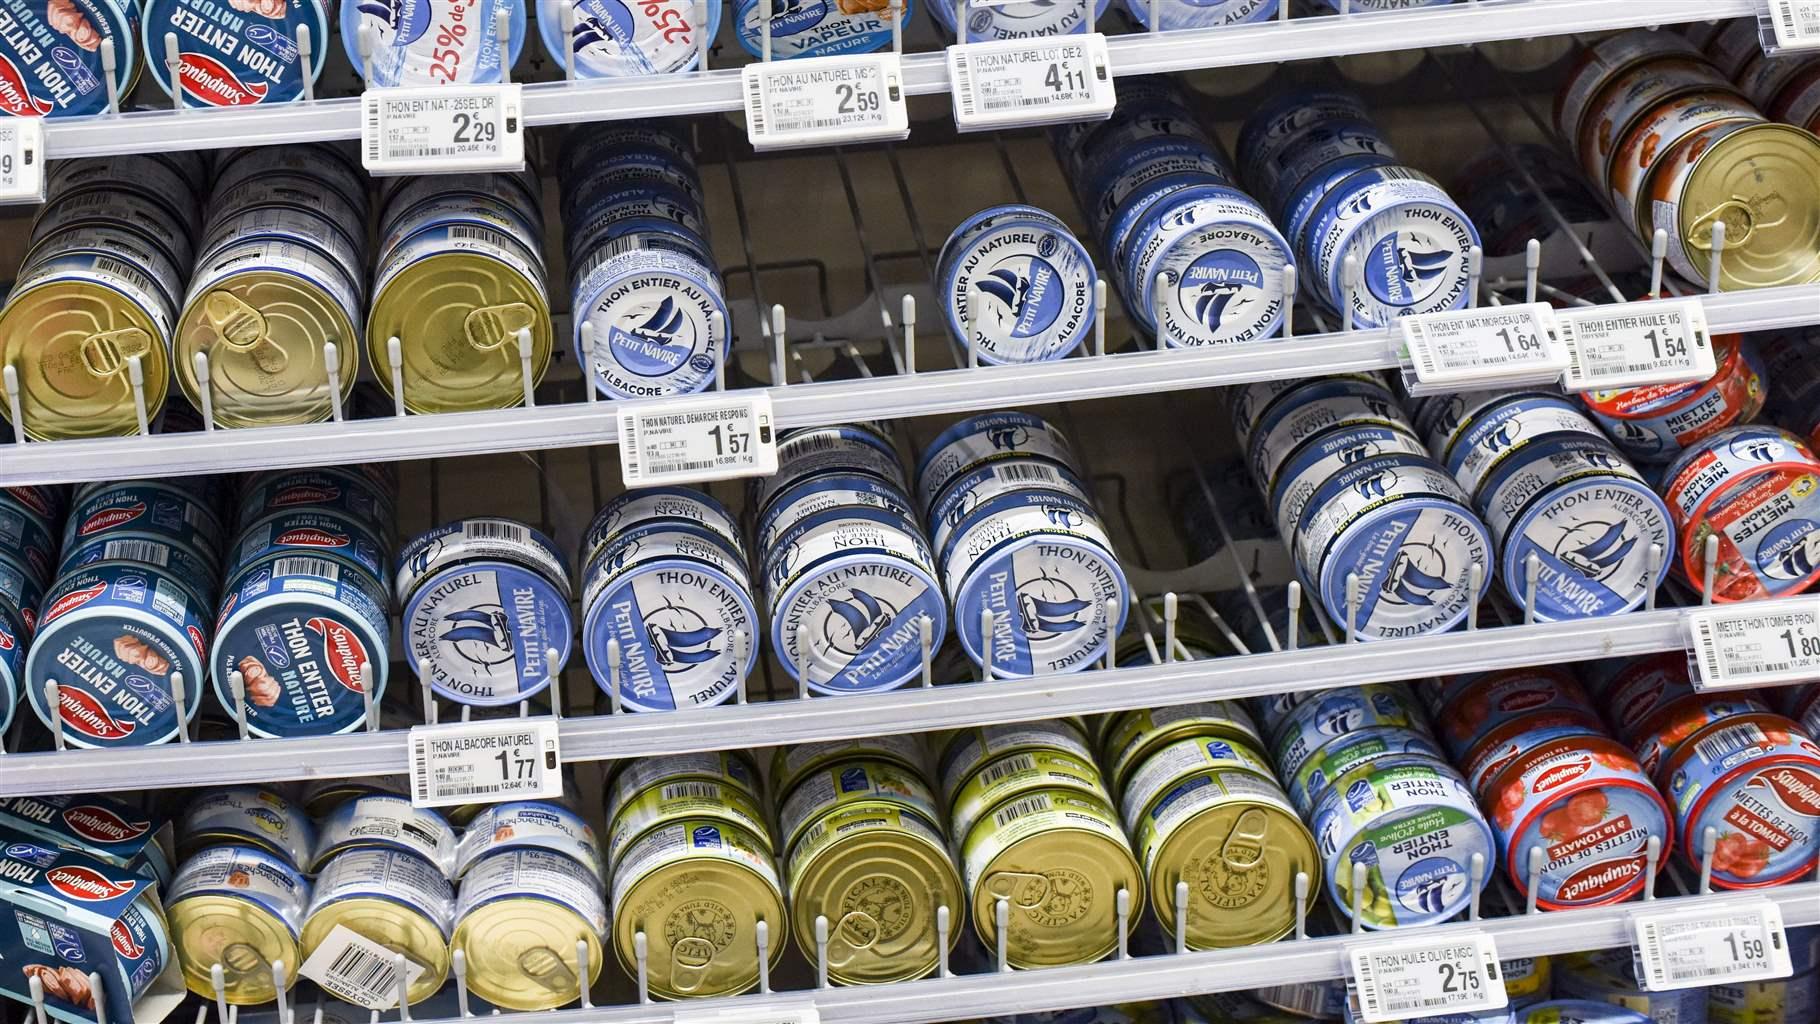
x,y
440,129
825,100
1427,977
1010,82
1635,344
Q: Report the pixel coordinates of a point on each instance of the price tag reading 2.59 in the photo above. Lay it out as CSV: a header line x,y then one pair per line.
x,y
1043,80
440,129
825,100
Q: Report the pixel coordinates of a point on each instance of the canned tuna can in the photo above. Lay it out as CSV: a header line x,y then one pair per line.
x,y
110,635
300,631
99,206
330,488
616,218
146,506
1321,1000
155,176
1767,74
1765,1002
1009,776
653,316
387,823
1328,452
1413,825
1527,980
1579,1011
628,779
673,800
1754,488
1654,423
1799,101
144,549
312,531
1058,859
51,56
1186,14
1795,403
850,782
876,871
247,816
1411,242
1018,20
965,752
1681,715
28,542
1754,779
1138,165
46,501
1331,714
790,765
527,824
1310,155
15,634
1287,113
1022,290
1497,427
1211,265
810,452
23,585
1601,64
328,163
679,504
324,795
1627,95
437,42
240,907
390,897
984,439
1804,707
1129,737
1608,976
1342,754
1498,748
518,919
697,887
1655,132
818,28
1733,171
1319,406
1190,755
1469,707
1585,802
234,57
613,40
826,494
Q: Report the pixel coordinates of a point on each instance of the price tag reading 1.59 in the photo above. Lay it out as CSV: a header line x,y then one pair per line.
x,y
21,160
1746,645
1427,977
1030,81
825,100
1635,344
485,762
691,440
440,129
1711,945
1485,347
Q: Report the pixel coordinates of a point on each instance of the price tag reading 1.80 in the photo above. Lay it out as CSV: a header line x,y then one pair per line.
x,y
1487,346
1030,81
1425,977
1724,944
824,100
1746,645
1635,344
441,129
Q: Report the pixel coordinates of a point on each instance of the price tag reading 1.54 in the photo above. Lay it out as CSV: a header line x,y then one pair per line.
x,y
825,100
1030,81
1488,346
1725,944
21,160
440,129
1745,645
485,762
1427,977
1635,344
690,440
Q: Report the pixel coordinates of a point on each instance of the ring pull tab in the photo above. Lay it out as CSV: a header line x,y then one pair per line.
x,y
239,325
1025,890
243,960
1244,847
1742,218
105,354
854,933
548,968
690,958
494,327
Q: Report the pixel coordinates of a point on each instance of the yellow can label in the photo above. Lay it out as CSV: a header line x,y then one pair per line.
x,y
1176,761
691,839
789,764
850,782
682,798
1131,734
1007,777
968,750
1020,819
639,775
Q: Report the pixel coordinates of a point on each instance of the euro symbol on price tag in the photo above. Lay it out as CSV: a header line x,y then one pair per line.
x,y
1725,944
817,101
1046,80
1635,344
1426,976
1755,644
1491,346
693,440
485,762
443,129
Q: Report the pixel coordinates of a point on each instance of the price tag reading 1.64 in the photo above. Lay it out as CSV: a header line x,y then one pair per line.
x,y
1487,346
440,129
1725,944
21,160
1745,645
1030,81
485,762
717,437
1635,344
825,100
1427,977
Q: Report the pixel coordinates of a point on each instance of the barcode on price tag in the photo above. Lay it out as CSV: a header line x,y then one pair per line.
x,y
1747,645
485,762
1711,945
355,969
823,100
1492,345
1635,344
1797,23
21,160
440,129
1043,80
1426,977
692,440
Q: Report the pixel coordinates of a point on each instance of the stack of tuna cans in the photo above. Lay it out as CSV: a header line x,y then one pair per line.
x,y
1755,490
1018,540
1656,423
1573,808
866,856
216,65
303,624
1563,504
130,609
1196,260
279,275
641,268
1038,835
1378,528
694,871
1332,182
610,40
1204,809
460,274
68,80
99,287
1015,285
668,618
31,521
850,583
463,48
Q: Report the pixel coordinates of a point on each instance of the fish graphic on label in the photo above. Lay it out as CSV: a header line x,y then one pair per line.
x,y
1418,573
680,638
1048,607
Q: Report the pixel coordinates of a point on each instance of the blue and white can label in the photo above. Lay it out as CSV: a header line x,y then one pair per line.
x,y
1325,455
818,28
825,494
620,38
146,549
244,873
677,621
528,824
978,487
1498,433
1326,717
324,232
15,630
50,55
311,531
248,814
484,628
822,451
431,42
985,438
151,219
1151,161
1220,265
1176,14
144,506
236,54
652,314
1314,407
660,504
387,873
1411,241
1281,176
534,874
384,822
1017,20
28,539
1033,285
1286,114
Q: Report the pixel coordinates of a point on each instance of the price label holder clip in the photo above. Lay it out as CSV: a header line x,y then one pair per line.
x,y
1789,25
485,762
775,1010
718,437
1425,977
21,160
1010,83
818,101
1747,645
1725,943
1487,347
1635,344
442,129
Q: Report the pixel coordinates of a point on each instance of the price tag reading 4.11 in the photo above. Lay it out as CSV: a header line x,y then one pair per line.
x,y
485,762
1427,977
1711,945
692,440
823,100
1797,23
21,160
441,129
1747,646
1492,345
1635,344
1044,80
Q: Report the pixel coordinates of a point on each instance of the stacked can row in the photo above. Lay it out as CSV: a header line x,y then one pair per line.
x,y
31,521
1016,286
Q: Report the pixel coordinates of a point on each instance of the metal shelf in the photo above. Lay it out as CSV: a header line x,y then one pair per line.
x,y
885,397
604,737
1469,21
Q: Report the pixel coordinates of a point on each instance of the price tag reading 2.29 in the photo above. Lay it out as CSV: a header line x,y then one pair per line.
x,y
1030,81
825,100
1427,977
485,762
1635,344
440,129
21,160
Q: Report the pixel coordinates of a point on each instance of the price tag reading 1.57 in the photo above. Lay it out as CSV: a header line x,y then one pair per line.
x,y
485,762
690,440
1748,645
1043,80
441,129
1730,943
1426,977
21,160
825,100
1635,344
1489,346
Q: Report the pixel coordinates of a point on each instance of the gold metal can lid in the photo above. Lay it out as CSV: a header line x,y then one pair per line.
x,y
264,332
1058,860
1010,776
1763,182
71,341
239,934
876,872
1133,735
1231,836
696,890
520,952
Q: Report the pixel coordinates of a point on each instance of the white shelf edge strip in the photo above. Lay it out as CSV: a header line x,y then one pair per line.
x,y
924,73
768,723
887,397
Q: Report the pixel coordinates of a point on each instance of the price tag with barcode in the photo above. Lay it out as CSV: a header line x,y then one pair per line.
x,y
440,129
1724,944
1423,977
1797,23
717,437
817,101
1635,344
1746,645
355,969
485,762
1488,346
21,160
1044,80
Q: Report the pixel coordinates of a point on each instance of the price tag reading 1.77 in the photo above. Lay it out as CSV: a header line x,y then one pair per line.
x,y
816,101
1749,645
1635,344
1426,977
1484,347
440,129
1042,80
485,762
1730,943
